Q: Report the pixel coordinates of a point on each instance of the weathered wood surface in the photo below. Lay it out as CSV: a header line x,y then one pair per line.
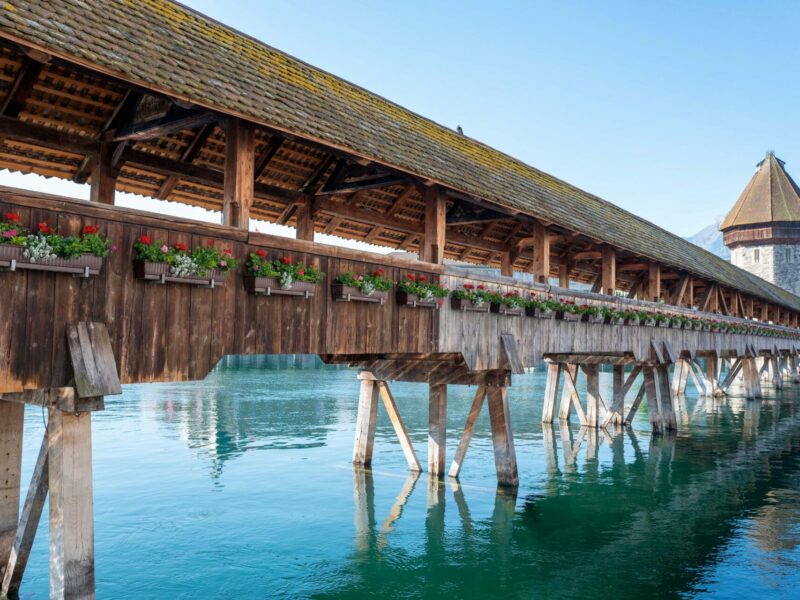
x,y
11,429
179,332
92,358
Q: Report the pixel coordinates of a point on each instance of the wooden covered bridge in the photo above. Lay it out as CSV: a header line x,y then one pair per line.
x,y
153,99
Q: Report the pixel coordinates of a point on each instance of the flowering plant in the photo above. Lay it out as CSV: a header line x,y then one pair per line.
x,y
367,284
184,263
283,269
476,294
46,244
422,286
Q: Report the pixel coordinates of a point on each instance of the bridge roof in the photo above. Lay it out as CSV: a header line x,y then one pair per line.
x,y
168,48
771,196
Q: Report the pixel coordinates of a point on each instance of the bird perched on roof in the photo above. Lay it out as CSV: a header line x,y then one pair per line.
x,y
459,130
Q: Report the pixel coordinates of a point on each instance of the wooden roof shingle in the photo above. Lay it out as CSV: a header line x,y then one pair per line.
x,y
171,49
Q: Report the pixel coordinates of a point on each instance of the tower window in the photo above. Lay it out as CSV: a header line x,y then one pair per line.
x,y
756,255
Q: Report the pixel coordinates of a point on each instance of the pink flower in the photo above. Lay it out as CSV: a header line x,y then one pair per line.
x,y
13,232
113,247
223,264
6,234
256,268
164,248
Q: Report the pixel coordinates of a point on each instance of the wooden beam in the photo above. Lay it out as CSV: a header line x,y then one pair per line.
x,y
437,428
365,423
587,255
541,253
609,272
506,264
466,436
723,303
304,218
21,89
564,269
189,154
266,156
28,524
433,242
177,120
239,172
401,201
653,281
46,137
11,429
681,287
69,438
399,428
103,180
505,457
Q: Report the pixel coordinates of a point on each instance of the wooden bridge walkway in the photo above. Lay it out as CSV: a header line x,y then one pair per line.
x,y
283,142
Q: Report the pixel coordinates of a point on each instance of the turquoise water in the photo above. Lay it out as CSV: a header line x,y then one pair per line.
x,y
241,486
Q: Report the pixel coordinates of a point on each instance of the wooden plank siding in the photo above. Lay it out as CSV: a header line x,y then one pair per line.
x,y
177,332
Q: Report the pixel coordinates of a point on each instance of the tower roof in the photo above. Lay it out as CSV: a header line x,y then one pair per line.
x,y
771,196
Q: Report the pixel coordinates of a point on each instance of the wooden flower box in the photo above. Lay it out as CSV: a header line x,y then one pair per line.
x,y
505,309
596,319
269,286
568,316
85,265
466,305
648,322
412,300
614,320
348,293
663,324
160,273
539,313
698,327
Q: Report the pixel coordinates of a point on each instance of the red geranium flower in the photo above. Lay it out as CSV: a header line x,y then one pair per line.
x,y
261,253
209,243
145,239
379,272
441,301
13,217
286,260
469,286
480,286
227,252
301,272
410,277
90,229
180,247
45,228
423,278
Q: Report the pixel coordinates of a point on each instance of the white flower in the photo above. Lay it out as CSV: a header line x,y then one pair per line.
x,y
183,266
37,249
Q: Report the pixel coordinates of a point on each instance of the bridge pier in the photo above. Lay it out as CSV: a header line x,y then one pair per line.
x,y
11,430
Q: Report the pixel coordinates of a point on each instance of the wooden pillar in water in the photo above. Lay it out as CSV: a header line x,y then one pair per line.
x,y
550,392
618,402
11,429
365,423
505,457
592,395
69,444
437,428
666,405
653,405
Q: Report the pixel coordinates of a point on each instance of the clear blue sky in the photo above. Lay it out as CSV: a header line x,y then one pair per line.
x,y
660,107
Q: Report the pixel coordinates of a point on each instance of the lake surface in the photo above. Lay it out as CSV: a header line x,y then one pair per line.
x,y
241,486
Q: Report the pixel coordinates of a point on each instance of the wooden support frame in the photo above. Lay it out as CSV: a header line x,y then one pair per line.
x,y
11,431
103,179
437,429
551,391
570,398
365,423
466,436
433,240
239,181
304,218
399,428
653,282
505,457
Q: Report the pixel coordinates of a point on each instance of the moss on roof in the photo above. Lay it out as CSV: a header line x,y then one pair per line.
x,y
172,49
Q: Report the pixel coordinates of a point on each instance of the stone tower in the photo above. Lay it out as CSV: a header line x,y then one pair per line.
x,y
763,228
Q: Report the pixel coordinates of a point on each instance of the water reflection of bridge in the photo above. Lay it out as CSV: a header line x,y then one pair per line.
x,y
671,505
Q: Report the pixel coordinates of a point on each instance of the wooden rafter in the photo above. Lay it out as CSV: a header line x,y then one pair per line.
x,y
21,88
189,154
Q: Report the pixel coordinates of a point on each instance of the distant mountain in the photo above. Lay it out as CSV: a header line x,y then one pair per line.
x,y
710,238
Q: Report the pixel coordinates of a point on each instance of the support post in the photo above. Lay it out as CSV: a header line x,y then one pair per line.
x,y
433,240
666,406
541,253
550,392
592,395
563,274
11,428
304,219
399,428
103,183
506,264
466,437
239,184
609,274
653,407
69,438
365,423
654,282
28,524
505,458
437,428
